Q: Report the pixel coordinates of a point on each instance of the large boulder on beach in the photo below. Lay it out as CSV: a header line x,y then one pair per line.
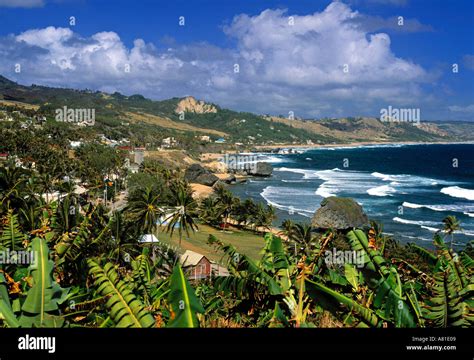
x,y
260,169
199,175
340,214
251,168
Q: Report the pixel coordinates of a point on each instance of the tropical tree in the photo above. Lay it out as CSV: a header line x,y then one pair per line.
x,y
451,224
144,210
226,202
183,212
303,238
209,211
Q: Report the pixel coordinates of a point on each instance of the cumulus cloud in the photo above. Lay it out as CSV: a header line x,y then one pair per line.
x,y
317,64
468,109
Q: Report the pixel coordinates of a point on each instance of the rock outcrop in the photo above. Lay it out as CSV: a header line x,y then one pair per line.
x,y
262,169
199,175
340,214
227,178
190,104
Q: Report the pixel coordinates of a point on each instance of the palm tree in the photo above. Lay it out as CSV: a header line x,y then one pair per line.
x,y
302,235
243,211
227,202
122,240
12,179
184,211
143,209
209,211
269,215
451,224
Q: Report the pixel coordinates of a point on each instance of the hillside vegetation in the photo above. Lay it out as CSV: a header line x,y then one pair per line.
x,y
189,117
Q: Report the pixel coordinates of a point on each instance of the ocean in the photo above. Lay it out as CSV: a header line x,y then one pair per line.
x,y
410,189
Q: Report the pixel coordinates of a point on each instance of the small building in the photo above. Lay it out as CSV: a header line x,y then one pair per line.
x,y
205,138
220,141
168,142
200,267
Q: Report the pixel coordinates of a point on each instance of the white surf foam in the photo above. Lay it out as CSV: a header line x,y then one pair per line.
x,y
409,180
383,190
458,192
337,181
429,228
415,222
464,208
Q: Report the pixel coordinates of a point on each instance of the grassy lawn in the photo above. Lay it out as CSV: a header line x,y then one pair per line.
x,y
245,242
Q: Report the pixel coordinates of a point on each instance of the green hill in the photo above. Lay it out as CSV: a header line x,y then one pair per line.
x,y
151,119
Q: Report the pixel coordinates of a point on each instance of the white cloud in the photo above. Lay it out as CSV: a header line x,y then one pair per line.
x,y
468,109
282,66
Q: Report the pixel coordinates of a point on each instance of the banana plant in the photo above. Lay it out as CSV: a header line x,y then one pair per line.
x,y
447,308
368,316
184,303
141,277
11,237
390,303
451,303
40,308
126,310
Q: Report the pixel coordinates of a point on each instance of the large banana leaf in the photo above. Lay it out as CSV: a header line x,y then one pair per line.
x,y
40,308
352,276
428,256
11,237
141,275
74,244
372,258
390,300
366,314
467,261
276,261
125,309
446,307
183,300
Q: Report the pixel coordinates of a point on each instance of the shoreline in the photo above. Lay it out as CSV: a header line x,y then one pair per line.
x,y
360,144
206,158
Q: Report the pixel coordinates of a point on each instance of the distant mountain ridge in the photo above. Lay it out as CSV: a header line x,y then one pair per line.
x,y
195,116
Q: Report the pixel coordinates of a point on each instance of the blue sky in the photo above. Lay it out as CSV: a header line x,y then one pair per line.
x,y
314,58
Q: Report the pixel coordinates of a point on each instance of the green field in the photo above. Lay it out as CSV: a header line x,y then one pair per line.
x,y
246,242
